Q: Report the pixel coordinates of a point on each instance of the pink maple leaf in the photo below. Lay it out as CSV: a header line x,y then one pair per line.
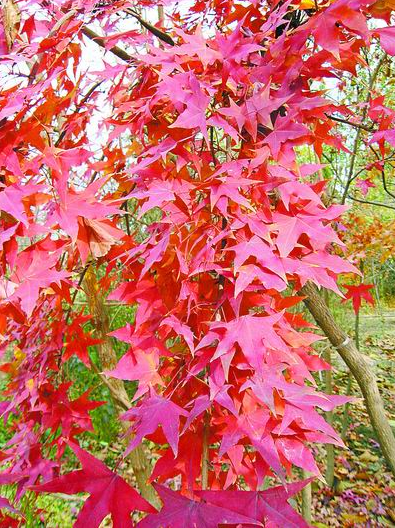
x,y
150,414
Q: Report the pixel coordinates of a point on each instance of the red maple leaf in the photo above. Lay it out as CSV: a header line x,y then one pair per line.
x,y
357,293
271,504
77,341
109,493
138,365
154,411
34,270
180,512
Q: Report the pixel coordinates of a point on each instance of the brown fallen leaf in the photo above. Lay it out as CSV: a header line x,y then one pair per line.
x,y
391,514
363,476
367,457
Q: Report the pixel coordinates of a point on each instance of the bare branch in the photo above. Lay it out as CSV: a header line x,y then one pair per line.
x,y
161,35
358,366
379,204
372,81
383,178
350,123
116,50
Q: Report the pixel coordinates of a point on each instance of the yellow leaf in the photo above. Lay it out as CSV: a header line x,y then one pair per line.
x,y
30,383
367,456
382,7
48,291
307,4
19,355
11,20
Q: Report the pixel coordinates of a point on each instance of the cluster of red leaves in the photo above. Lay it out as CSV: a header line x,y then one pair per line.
x,y
207,132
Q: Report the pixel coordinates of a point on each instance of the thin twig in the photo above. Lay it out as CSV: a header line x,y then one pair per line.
x,y
359,131
383,179
81,278
379,204
115,50
78,108
346,122
161,35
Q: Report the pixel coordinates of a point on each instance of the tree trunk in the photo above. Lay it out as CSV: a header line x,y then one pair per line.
x,y
359,368
330,448
97,308
307,501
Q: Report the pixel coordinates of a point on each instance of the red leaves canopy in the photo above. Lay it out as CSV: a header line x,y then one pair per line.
x,y
175,170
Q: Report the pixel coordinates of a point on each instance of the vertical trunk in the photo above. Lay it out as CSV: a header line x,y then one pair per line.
x,y
349,384
205,453
330,448
97,308
306,500
359,368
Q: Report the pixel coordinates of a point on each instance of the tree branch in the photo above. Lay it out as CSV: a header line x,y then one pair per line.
x,y
346,122
140,462
161,35
359,368
383,179
115,50
359,130
379,204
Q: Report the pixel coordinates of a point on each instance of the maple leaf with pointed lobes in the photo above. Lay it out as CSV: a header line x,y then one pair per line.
x,y
150,414
263,253
188,461
12,199
271,504
365,185
251,425
158,193
181,329
96,237
290,228
59,411
150,156
249,272
109,493
77,341
145,293
294,191
194,115
75,206
258,110
326,25
285,130
357,293
310,419
235,112
228,190
138,365
180,512
196,44
34,270
254,334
